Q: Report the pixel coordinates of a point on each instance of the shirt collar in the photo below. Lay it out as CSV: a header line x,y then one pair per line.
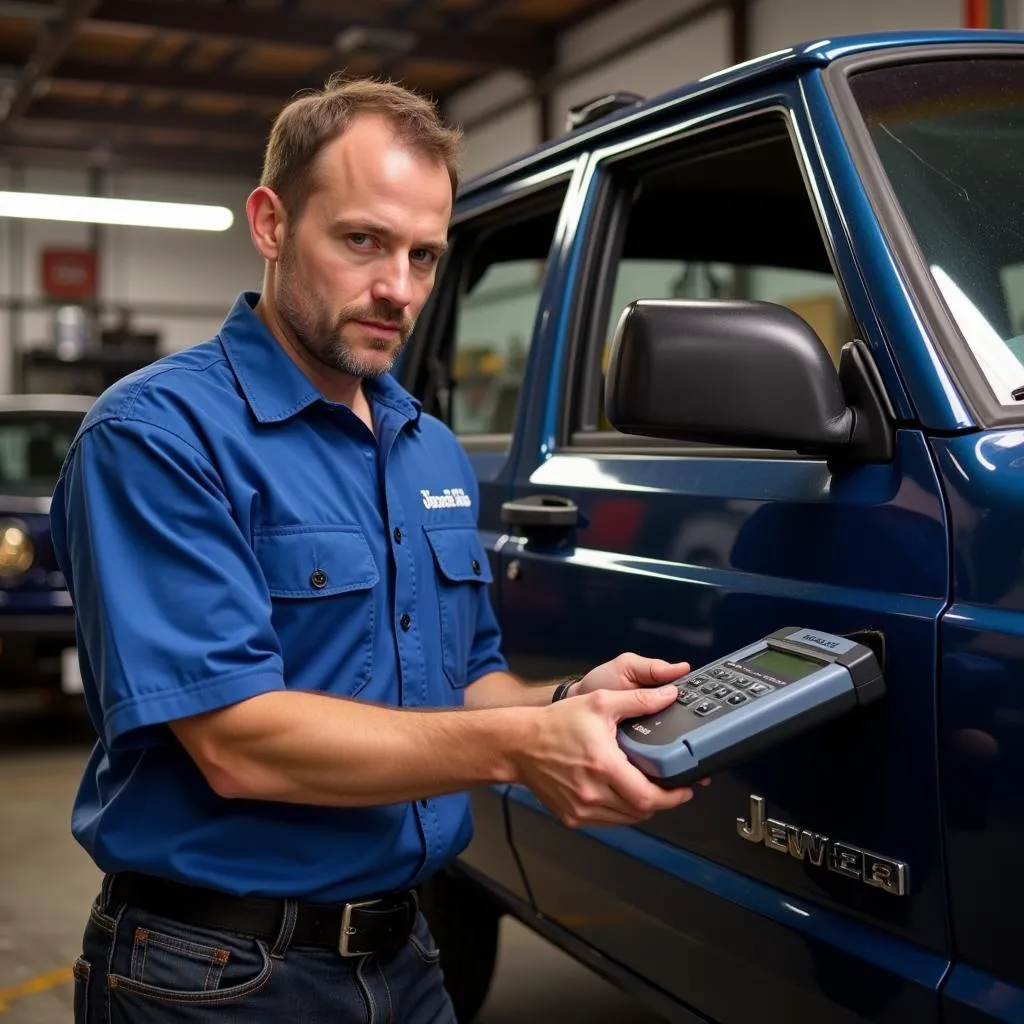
x,y
275,388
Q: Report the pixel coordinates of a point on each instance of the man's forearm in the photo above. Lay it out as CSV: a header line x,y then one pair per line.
x,y
504,690
310,748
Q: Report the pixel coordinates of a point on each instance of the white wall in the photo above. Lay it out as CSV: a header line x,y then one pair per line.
x,y
184,269
503,136
197,268
675,57
779,23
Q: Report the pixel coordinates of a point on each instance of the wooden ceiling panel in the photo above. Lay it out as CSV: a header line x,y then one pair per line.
x,y
210,55
163,48
358,10
435,76
280,60
17,33
153,99
210,104
353,67
75,91
107,46
268,108
543,11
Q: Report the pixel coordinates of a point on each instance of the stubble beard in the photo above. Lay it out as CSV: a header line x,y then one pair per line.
x,y
322,335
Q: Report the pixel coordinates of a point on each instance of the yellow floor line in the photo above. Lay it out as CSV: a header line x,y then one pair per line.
x,y
41,983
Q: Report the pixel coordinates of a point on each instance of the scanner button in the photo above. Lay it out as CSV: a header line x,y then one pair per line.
x,y
709,687
722,692
759,689
742,682
687,697
706,707
737,698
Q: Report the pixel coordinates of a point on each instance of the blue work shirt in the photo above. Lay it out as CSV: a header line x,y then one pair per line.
x,y
226,531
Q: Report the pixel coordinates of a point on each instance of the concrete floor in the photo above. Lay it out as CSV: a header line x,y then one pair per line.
x,y
47,883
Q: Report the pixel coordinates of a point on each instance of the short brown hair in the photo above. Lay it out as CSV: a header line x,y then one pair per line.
x,y
307,124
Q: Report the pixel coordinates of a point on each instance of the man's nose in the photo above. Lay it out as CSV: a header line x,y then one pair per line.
x,y
394,283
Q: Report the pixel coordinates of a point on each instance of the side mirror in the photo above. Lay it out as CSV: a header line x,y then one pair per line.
x,y
740,373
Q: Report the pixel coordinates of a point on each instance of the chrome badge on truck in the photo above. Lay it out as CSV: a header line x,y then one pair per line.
x,y
891,876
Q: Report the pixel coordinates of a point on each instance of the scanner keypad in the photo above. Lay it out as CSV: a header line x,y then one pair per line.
x,y
718,690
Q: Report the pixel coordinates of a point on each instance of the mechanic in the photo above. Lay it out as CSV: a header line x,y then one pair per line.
x,y
288,653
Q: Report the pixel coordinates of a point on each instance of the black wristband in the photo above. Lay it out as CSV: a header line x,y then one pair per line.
x,y
562,689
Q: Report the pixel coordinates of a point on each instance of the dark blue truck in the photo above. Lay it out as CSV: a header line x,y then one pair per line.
x,y
868,194
37,622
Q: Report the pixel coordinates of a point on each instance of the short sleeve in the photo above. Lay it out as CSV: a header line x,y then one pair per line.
x,y
486,654
171,607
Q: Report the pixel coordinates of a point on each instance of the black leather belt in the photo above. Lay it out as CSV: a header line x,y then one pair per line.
x,y
375,925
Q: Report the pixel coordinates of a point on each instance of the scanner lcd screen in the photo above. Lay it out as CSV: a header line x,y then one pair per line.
x,y
782,664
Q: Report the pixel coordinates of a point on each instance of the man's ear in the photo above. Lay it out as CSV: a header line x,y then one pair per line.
x,y
268,222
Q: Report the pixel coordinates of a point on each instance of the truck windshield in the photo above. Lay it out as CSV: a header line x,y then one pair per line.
x,y
950,136
32,450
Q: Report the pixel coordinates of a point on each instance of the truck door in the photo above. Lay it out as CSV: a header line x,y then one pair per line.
x,y
467,361
688,553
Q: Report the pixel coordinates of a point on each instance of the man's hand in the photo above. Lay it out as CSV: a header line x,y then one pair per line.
x,y
629,672
575,765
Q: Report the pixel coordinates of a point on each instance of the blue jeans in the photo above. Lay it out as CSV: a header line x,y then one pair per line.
x,y
138,968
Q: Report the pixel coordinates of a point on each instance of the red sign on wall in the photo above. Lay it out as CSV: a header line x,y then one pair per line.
x,y
70,273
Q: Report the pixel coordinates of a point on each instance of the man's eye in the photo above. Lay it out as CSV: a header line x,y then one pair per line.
x,y
424,256
359,240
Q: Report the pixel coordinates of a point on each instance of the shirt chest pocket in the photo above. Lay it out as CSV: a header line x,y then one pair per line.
x,y
462,570
321,581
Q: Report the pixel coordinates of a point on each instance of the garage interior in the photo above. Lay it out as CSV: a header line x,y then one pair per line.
x,y
171,100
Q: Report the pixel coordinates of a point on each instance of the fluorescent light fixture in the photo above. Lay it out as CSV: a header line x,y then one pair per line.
x,y
131,212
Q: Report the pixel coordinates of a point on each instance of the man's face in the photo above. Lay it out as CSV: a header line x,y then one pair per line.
x,y
357,267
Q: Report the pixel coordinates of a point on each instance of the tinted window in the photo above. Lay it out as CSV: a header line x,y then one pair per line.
x,y
705,225
499,261
494,324
32,450
950,136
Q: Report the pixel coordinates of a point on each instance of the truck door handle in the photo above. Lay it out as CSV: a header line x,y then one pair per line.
x,y
543,511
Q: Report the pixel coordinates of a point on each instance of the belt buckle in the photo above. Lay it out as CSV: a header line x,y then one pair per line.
x,y
347,931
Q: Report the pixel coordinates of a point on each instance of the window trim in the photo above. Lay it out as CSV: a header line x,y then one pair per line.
x,y
477,220
605,235
952,348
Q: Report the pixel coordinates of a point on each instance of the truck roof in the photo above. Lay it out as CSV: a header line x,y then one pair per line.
x,y
789,61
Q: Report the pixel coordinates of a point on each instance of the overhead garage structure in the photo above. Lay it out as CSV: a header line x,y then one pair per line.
x,y
194,85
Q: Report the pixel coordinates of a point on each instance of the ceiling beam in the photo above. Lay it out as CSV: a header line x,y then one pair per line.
x,y
110,154
271,26
29,10
473,19
52,42
143,77
246,125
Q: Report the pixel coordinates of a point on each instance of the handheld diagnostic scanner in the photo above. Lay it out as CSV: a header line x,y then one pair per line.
x,y
752,699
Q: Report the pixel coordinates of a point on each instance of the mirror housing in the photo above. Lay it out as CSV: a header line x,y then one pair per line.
x,y
738,373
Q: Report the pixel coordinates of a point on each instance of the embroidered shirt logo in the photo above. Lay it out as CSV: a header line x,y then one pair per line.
x,y
450,497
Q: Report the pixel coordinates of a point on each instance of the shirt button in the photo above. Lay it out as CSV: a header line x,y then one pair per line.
x,y
405,622
476,566
318,578
397,535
